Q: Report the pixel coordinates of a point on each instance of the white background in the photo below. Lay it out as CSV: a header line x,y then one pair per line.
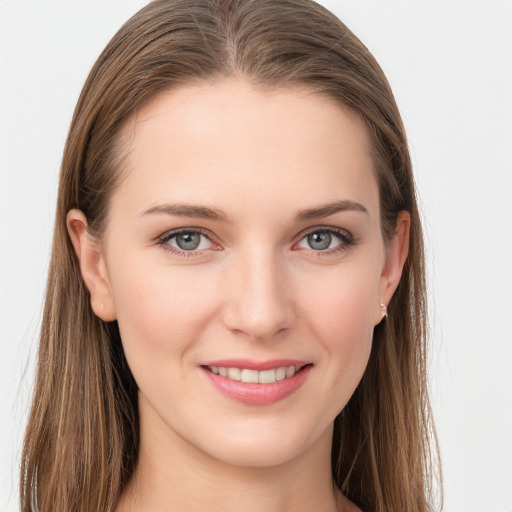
x,y
450,64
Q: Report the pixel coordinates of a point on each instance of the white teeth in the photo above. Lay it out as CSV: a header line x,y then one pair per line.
x,y
249,376
255,376
280,373
290,371
267,376
234,373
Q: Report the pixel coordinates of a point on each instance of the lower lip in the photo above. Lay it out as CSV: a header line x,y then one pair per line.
x,y
258,394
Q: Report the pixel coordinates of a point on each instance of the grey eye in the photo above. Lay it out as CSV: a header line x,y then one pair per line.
x,y
188,241
319,240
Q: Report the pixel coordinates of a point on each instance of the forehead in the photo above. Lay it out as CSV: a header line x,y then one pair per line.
x,y
228,140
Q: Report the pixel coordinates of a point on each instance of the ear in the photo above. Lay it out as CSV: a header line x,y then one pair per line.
x,y
395,259
92,266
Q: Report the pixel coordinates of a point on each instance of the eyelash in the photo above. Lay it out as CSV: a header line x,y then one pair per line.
x,y
166,237
346,240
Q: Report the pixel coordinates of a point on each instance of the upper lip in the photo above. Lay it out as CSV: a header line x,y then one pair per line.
x,y
251,364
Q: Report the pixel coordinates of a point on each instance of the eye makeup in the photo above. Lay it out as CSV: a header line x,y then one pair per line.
x,y
187,241
318,240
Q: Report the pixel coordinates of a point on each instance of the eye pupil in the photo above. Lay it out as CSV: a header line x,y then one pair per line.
x,y
188,241
319,240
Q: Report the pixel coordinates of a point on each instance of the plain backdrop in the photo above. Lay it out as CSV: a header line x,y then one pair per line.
x,y
450,65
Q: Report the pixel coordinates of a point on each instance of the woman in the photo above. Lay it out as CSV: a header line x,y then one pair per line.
x,y
235,314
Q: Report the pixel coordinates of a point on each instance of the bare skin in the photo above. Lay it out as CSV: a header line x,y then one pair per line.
x,y
279,192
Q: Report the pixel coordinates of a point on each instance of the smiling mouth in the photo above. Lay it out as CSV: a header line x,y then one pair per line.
x,y
251,376
257,383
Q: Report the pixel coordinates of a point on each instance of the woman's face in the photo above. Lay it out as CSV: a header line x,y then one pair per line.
x,y
244,239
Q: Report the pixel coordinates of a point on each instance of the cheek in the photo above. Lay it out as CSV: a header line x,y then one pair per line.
x,y
341,317
347,332
343,303
161,311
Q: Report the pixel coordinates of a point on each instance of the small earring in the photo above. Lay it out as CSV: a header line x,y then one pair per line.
x,y
102,306
383,309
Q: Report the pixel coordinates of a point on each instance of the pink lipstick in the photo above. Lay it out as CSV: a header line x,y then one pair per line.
x,y
256,382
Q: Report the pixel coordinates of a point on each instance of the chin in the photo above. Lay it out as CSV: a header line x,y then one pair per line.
x,y
262,446
258,456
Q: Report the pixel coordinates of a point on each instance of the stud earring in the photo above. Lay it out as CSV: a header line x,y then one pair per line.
x,y
383,309
102,306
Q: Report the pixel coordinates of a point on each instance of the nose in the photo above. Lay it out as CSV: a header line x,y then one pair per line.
x,y
259,304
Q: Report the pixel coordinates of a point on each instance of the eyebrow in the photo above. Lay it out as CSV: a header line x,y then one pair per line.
x,y
188,210
330,209
210,213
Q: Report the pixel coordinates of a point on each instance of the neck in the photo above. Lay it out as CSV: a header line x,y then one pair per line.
x,y
171,474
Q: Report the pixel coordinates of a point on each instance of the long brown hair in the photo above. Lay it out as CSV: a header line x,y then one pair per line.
x,y
81,443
